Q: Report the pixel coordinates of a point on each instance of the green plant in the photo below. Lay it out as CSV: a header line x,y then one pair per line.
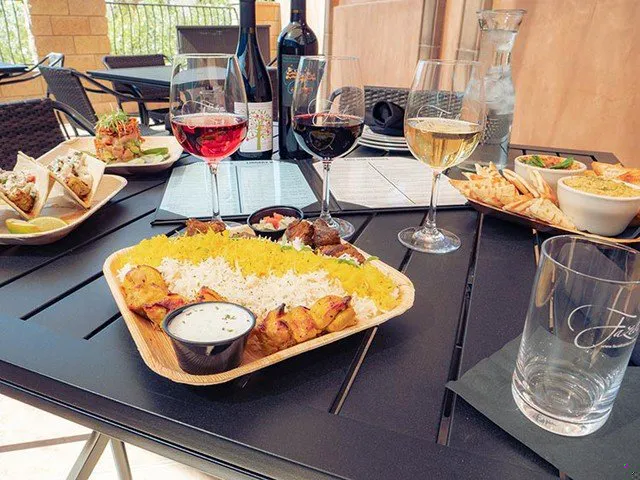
x,y
150,25
16,43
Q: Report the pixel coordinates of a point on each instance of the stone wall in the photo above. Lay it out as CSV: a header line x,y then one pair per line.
x,y
77,28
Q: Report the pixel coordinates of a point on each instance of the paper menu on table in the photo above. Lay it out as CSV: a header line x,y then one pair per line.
x,y
387,182
264,183
244,186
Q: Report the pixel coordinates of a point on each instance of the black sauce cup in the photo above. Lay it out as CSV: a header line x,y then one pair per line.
x,y
258,215
204,358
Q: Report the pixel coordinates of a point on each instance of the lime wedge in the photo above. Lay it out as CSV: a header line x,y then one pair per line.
x,y
48,223
20,226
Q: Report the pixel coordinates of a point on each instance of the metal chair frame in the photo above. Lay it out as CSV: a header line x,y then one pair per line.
x,y
77,85
146,114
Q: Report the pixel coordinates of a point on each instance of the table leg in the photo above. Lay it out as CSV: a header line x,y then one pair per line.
x,y
89,456
121,460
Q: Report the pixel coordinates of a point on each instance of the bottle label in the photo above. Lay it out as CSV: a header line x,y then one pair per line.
x,y
289,75
260,130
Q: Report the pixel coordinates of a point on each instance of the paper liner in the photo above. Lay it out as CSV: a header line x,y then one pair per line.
x,y
96,170
44,183
69,211
157,352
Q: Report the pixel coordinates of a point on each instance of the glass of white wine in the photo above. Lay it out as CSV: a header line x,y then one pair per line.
x,y
444,119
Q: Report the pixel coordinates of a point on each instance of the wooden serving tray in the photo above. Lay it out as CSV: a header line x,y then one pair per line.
x,y
544,227
157,352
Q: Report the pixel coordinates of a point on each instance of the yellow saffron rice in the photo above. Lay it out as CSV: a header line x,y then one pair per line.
x,y
262,257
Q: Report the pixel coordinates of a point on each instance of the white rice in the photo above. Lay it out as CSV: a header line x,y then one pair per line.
x,y
258,294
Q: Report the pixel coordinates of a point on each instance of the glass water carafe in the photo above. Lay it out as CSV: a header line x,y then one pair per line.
x,y
498,34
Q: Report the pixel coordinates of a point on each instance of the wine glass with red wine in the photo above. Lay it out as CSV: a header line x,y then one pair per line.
x,y
328,116
208,111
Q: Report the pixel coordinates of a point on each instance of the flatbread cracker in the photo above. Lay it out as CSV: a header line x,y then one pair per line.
x,y
519,206
542,186
608,170
520,183
545,210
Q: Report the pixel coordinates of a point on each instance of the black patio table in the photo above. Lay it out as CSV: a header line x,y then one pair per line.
x,y
159,76
9,69
372,406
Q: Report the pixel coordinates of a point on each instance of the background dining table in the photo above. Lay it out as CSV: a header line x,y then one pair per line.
x,y
9,69
372,406
158,76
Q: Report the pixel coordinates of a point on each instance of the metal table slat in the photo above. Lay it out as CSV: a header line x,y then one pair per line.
x,y
69,272
504,271
400,386
80,313
177,420
17,260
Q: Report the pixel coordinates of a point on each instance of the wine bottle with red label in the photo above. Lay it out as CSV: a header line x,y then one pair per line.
x,y
259,141
295,40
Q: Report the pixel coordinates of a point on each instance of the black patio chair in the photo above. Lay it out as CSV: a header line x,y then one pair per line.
x,y
373,95
66,85
52,59
32,127
144,92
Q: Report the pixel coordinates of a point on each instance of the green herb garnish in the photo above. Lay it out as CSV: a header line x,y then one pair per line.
x,y
566,163
112,120
156,151
535,161
348,261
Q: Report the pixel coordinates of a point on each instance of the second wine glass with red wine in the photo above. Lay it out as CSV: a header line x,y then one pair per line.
x,y
208,111
328,116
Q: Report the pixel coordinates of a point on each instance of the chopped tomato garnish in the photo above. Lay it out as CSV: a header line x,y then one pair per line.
x,y
273,221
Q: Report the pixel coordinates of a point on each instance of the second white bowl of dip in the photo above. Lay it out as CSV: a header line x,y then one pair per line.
x,y
599,213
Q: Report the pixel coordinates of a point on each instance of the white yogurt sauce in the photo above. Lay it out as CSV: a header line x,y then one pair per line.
x,y
211,322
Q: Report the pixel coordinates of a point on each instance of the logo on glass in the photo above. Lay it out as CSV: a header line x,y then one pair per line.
x,y
620,331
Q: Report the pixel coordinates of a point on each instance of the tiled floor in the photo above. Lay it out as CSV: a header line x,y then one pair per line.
x,y
23,427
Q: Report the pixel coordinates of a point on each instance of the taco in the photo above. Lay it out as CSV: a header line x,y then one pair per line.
x,y
79,174
26,187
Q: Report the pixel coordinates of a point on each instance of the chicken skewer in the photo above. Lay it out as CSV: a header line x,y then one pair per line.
x,y
148,295
280,329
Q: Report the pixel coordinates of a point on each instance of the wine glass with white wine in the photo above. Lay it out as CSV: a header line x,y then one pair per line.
x,y
444,119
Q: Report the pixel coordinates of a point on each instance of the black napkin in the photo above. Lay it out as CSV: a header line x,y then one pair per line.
x,y
603,454
386,118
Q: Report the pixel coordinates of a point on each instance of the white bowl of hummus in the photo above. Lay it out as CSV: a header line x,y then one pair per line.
x,y
551,168
598,205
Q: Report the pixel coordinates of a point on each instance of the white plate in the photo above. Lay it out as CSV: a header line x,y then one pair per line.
x,y
58,205
371,135
123,168
379,146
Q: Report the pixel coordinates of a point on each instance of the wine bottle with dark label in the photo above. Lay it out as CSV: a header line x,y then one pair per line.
x,y
259,141
295,40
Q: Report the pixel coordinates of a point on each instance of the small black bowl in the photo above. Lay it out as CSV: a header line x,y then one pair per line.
x,y
258,215
203,358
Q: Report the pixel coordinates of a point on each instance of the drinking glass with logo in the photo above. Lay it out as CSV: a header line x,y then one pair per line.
x,y
443,124
328,116
208,111
579,333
